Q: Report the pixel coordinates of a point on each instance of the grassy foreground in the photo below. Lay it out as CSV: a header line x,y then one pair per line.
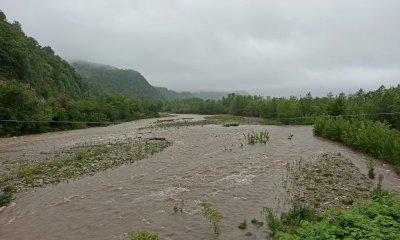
x,y
378,218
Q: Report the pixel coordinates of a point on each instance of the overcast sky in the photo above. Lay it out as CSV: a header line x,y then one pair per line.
x,y
276,48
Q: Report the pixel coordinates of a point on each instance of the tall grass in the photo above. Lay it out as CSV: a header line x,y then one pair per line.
x,y
374,138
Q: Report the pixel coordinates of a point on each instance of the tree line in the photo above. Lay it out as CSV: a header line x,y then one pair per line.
x,y
19,102
303,110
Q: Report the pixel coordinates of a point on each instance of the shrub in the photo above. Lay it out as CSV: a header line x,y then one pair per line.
x,y
212,215
254,138
374,138
144,235
378,218
243,225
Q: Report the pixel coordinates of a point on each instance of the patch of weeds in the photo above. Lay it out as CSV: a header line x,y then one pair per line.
x,y
290,136
371,169
232,124
6,194
378,191
243,225
84,162
274,224
212,215
297,213
373,219
5,198
347,200
254,138
81,155
257,223
144,235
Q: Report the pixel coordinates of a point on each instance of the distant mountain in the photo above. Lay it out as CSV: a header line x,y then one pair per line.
x,y
23,59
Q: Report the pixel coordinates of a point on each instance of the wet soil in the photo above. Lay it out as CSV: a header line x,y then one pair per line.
x,y
205,163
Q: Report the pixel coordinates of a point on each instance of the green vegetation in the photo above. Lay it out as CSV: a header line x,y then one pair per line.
x,y
18,102
378,218
212,215
254,138
257,223
5,198
144,235
371,169
243,225
374,138
290,220
84,162
23,59
233,124
303,110
42,92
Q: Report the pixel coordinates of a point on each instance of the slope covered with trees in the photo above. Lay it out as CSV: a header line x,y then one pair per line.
x,y
40,92
22,58
127,82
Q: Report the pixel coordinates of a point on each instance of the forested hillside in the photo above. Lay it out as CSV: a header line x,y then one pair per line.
x,y
23,58
127,82
41,92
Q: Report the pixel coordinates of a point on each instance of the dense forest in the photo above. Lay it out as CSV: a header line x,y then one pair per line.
x,y
40,92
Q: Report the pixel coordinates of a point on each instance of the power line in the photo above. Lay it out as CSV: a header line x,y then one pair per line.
x,y
52,121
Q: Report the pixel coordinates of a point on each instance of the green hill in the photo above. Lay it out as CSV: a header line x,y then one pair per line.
x,y
23,59
127,82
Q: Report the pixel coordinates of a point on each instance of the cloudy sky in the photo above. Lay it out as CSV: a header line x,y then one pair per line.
x,y
276,48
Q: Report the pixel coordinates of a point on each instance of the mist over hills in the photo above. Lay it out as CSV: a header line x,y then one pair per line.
x,y
131,83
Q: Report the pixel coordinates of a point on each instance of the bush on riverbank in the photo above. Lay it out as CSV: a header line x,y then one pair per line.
x,y
374,138
378,218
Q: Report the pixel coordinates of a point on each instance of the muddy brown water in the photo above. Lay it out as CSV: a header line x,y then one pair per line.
x,y
205,163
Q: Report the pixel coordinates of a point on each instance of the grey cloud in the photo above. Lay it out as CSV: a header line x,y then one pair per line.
x,y
273,48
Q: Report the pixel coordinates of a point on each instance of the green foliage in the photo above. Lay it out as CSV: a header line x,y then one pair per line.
x,y
243,225
144,235
37,86
18,102
212,215
254,138
6,194
231,124
5,198
298,213
257,223
371,169
23,59
375,219
374,138
304,110
274,224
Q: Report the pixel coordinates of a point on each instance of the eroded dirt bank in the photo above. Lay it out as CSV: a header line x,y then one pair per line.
x,y
205,163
